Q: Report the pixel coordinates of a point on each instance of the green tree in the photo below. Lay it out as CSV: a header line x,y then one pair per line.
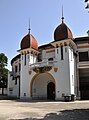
x,y
3,71
87,1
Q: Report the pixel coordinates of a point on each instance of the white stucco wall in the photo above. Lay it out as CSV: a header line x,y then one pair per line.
x,y
24,82
71,68
25,76
62,75
65,75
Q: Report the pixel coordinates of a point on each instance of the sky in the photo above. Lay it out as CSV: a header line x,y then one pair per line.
x,y
44,16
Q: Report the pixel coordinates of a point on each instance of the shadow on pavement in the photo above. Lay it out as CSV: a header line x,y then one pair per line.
x,y
5,97
76,114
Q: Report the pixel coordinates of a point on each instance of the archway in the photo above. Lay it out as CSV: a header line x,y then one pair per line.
x,y
40,85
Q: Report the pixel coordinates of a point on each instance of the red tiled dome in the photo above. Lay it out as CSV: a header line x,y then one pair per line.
x,y
29,41
62,32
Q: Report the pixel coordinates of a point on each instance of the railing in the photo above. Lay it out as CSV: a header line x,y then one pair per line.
x,y
43,64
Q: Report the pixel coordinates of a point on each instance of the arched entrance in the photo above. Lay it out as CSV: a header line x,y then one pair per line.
x,y
42,86
51,90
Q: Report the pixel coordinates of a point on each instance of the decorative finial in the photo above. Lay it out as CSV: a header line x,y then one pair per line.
x,y
29,27
62,15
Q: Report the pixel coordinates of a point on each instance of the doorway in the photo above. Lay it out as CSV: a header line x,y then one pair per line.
x,y
51,91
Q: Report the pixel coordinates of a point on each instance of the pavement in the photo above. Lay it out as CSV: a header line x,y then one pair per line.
x,y
43,110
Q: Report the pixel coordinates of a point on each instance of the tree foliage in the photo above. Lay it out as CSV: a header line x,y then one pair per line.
x,y
3,70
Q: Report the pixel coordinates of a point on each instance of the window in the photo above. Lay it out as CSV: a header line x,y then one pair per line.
x,y
83,56
61,52
66,49
22,56
39,57
28,56
16,68
25,59
57,50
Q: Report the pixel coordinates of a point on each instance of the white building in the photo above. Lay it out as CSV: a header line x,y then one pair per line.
x,y
51,71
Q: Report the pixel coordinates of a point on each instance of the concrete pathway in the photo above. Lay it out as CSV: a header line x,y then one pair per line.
x,y
16,110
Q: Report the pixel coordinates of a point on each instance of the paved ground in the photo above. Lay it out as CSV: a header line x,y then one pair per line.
x,y
16,110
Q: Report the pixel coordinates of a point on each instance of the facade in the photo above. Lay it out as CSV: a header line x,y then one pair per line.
x,y
83,66
53,70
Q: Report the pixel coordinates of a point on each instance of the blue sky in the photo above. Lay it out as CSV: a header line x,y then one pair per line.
x,y
45,16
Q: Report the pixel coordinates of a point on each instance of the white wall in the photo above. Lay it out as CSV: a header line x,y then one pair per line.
x,y
62,76
24,77
65,75
72,68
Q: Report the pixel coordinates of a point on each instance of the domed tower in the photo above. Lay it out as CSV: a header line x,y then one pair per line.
x,y
64,55
28,49
62,34
62,38
29,53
